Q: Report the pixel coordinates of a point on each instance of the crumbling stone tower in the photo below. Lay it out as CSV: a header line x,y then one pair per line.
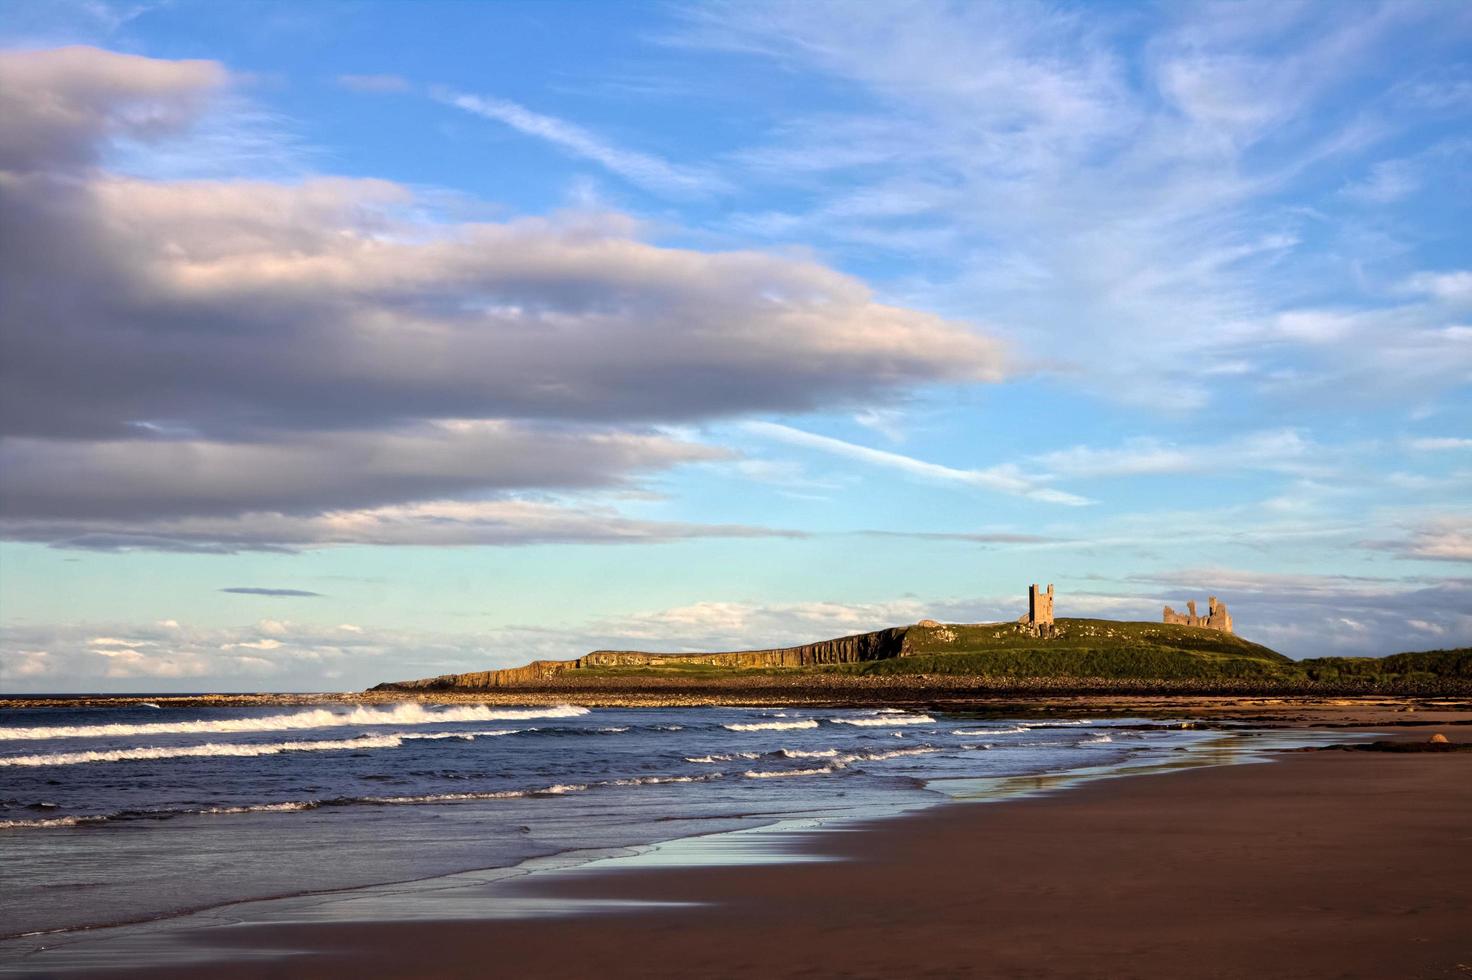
x,y
1040,605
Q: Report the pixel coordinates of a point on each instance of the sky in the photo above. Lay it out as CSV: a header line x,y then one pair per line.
x,y
347,342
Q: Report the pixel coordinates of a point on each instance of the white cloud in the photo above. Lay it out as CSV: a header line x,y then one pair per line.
x,y
1001,479
1436,444
644,169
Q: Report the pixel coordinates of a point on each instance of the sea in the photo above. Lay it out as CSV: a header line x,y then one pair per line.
x,y
111,815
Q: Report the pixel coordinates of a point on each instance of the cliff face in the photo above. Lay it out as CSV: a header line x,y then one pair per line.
x,y
879,645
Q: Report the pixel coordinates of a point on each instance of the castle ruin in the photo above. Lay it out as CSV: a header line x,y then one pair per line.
x,y
1039,608
1216,618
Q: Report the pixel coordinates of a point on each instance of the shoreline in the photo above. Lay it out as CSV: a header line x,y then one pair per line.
x,y
574,887
1263,710
1232,747
1341,864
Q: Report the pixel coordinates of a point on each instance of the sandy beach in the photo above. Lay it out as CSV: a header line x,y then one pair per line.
x,y
1320,864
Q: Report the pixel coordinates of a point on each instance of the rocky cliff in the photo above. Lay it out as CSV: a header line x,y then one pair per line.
x,y
878,645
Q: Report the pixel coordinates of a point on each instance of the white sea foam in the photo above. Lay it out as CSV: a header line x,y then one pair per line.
x,y
613,731
655,780
989,731
771,726
722,757
287,807
48,823
399,714
892,754
782,773
209,749
804,754
889,721
463,736
1056,724
1095,740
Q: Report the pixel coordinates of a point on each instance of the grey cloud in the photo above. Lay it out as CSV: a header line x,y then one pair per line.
x,y
269,359
58,105
226,306
284,593
236,307
307,473
440,523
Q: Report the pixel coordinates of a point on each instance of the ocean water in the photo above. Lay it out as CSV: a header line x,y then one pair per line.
x,y
111,815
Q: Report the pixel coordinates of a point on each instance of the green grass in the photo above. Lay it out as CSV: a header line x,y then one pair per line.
x,y
1411,667
1081,648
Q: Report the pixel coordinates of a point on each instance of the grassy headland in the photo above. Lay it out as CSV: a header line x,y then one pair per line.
x,y
1077,656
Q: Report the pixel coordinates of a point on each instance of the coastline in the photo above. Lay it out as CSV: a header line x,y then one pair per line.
x,y
1055,862
1270,709
1321,864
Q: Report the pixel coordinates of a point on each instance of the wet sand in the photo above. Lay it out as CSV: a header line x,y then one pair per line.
x,y
1320,865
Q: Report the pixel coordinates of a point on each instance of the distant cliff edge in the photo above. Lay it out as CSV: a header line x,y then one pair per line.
x,y
878,645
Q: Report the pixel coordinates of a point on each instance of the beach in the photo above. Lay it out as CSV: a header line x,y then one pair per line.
x,y
1318,864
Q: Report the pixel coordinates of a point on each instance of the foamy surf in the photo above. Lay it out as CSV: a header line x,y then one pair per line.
x,y
887,721
785,773
399,714
771,726
208,750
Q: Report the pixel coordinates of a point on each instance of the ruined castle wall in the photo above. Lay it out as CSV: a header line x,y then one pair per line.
x,y
1216,618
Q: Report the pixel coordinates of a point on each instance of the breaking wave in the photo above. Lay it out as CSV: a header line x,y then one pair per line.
x,y
1015,730
209,749
722,757
399,714
887,721
771,726
781,773
557,789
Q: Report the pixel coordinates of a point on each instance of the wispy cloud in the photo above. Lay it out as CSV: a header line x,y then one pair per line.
x,y
284,593
1094,196
646,170
1437,444
1001,479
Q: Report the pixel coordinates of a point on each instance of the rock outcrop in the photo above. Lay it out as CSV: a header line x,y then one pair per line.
x,y
878,645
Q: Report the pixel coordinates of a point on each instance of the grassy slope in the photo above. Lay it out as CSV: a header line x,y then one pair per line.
x,y
1083,648
1088,653
1425,665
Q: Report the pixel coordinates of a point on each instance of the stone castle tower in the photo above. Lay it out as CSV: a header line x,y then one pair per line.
x,y
1216,618
1039,606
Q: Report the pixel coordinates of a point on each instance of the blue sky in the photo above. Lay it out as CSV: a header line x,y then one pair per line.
x,y
355,341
